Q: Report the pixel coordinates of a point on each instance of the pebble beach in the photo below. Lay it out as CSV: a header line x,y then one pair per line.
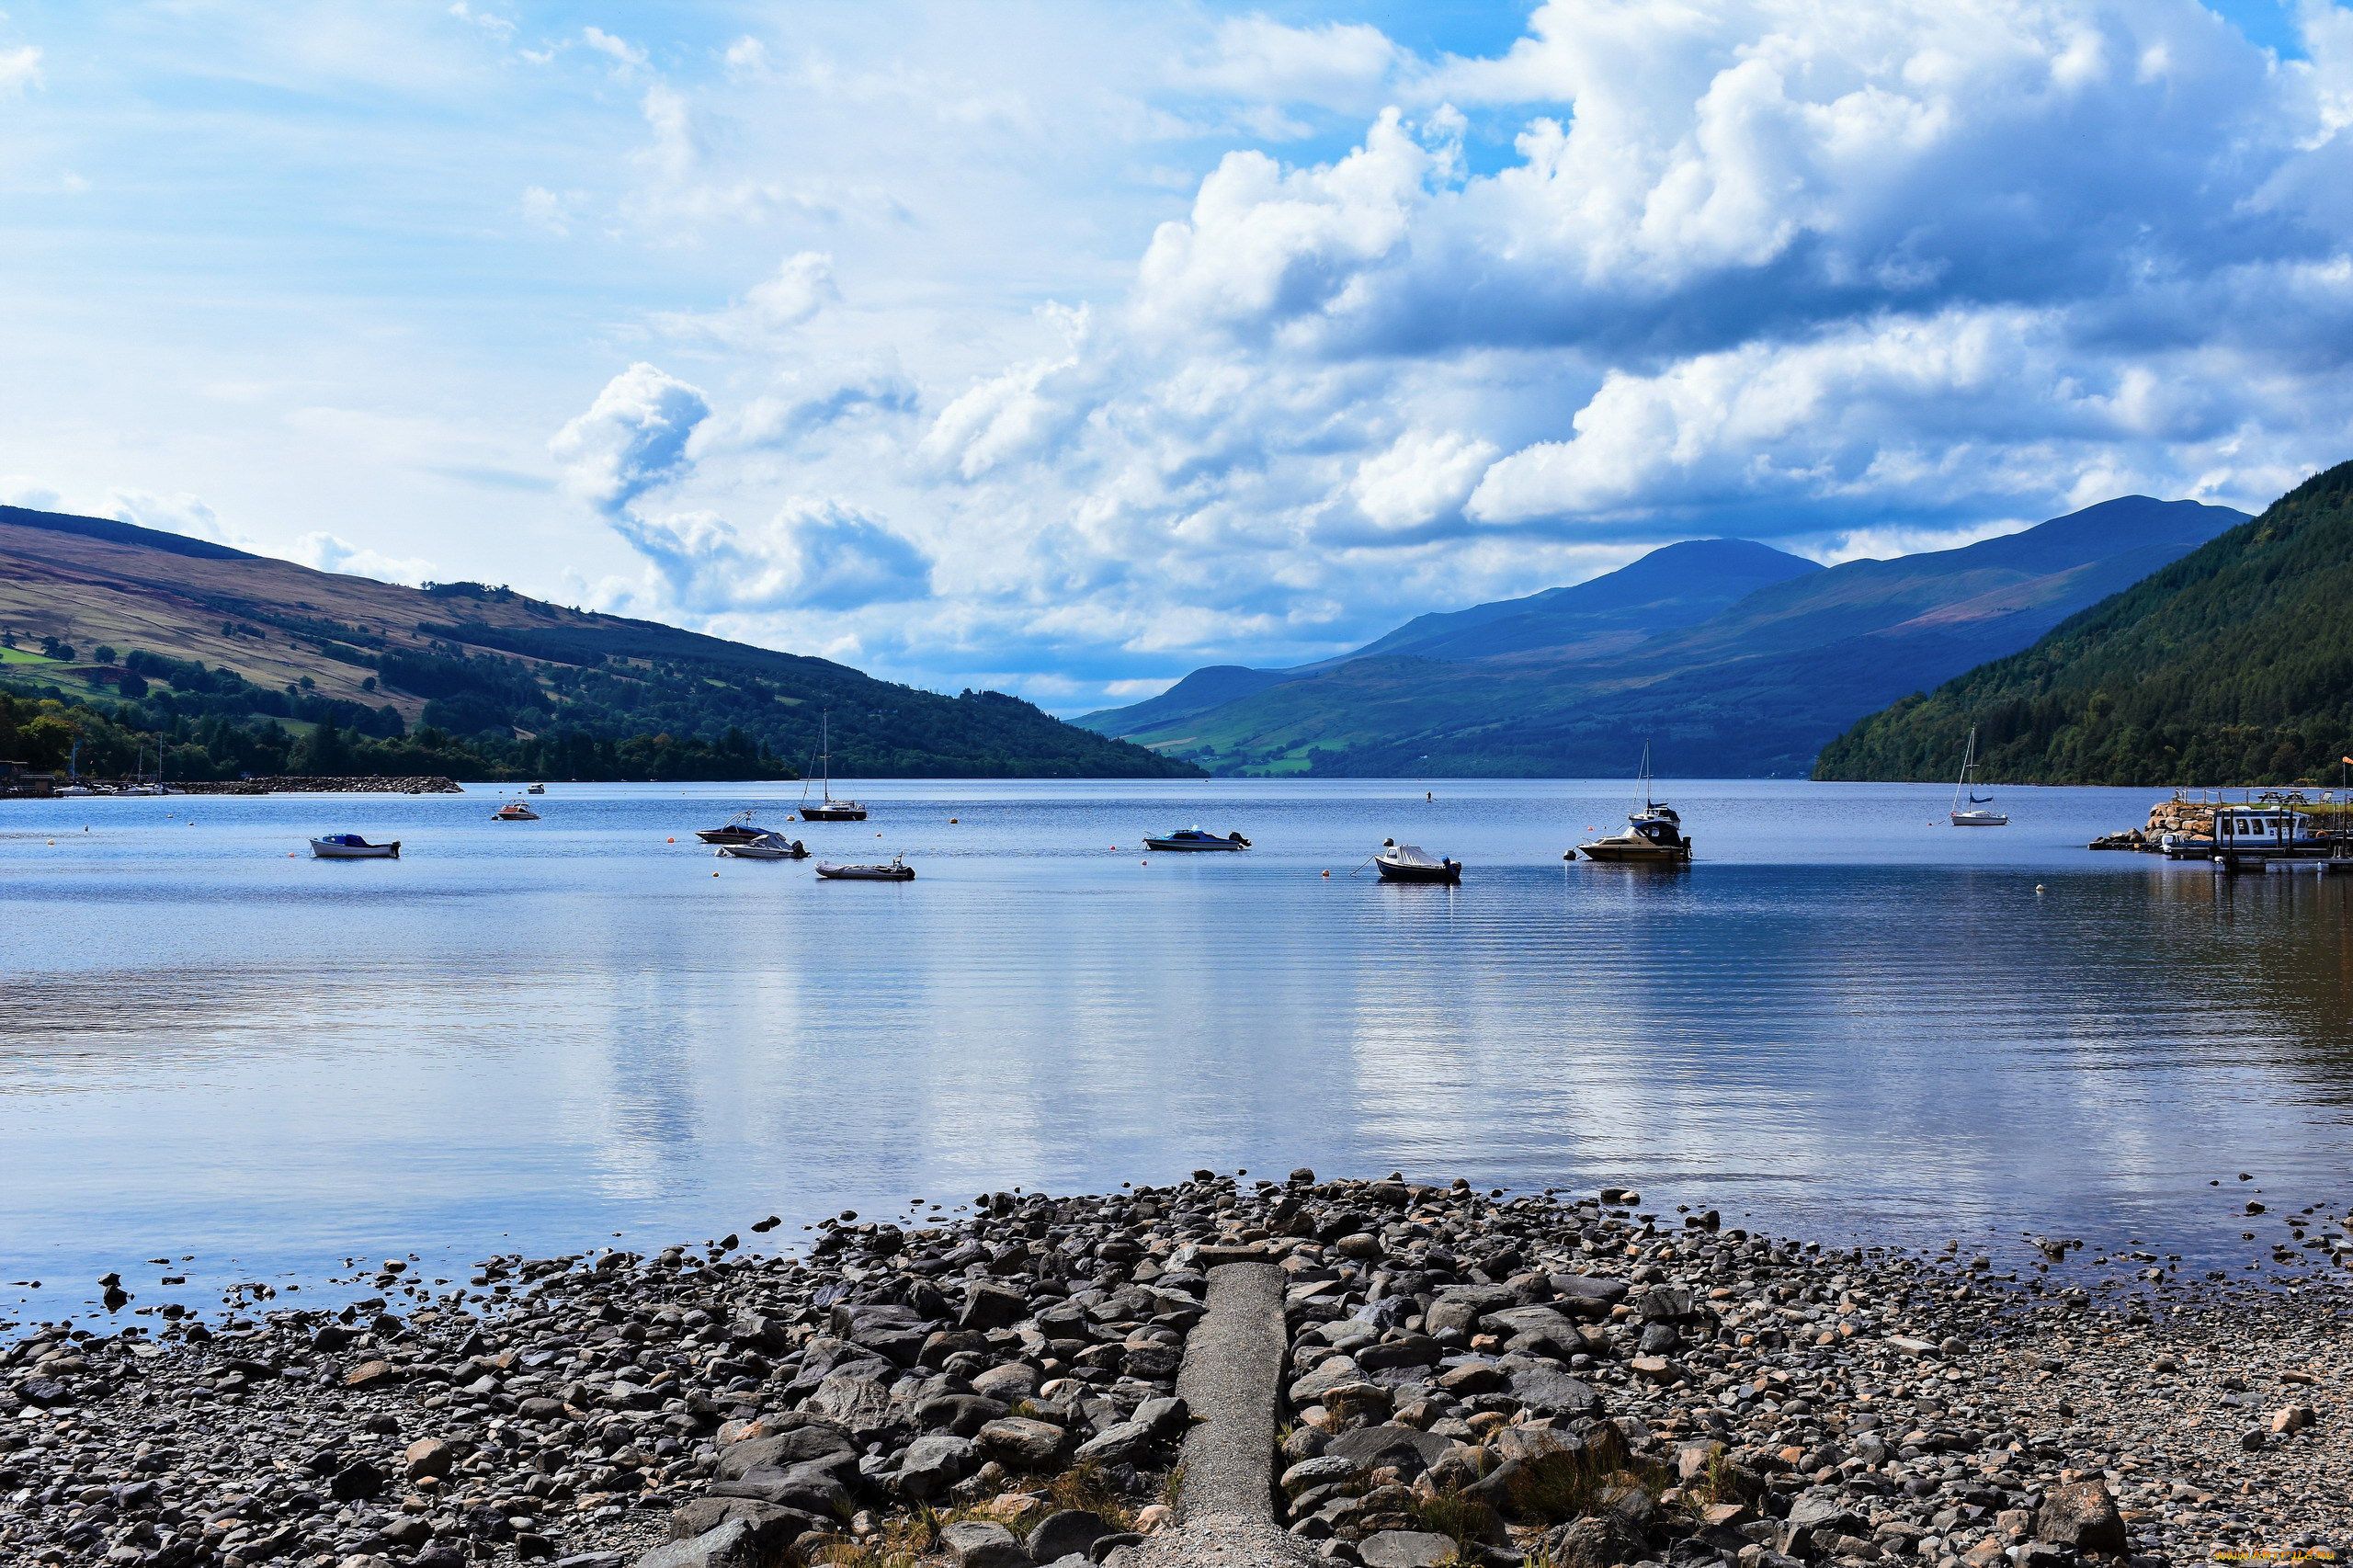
x,y
1566,1379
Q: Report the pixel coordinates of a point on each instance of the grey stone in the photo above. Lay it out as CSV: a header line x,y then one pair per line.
x,y
1547,1392
1370,1446
1071,1532
731,1545
857,1402
772,1528
782,1451
1014,1380
2082,1514
978,1544
1405,1549
1828,1513
1122,1443
1021,1444
990,1306
933,1463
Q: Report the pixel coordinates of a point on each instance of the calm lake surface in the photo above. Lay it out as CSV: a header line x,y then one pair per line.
x,y
1847,1019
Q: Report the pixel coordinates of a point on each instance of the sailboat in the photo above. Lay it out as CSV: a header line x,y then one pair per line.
x,y
1653,832
1974,817
829,809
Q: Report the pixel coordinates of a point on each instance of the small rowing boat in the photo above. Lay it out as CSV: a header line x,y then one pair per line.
x,y
351,846
1410,863
898,871
766,847
1192,838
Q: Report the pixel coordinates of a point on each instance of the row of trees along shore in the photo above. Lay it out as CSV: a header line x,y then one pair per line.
x,y
41,728
2234,665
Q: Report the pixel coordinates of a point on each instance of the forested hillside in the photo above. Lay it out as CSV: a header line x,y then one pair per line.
x,y
237,664
2232,666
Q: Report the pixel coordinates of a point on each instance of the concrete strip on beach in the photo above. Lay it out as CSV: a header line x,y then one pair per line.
x,y
1232,1380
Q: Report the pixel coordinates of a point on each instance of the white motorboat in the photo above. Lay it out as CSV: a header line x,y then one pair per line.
x,y
1975,816
1410,863
351,846
766,847
898,871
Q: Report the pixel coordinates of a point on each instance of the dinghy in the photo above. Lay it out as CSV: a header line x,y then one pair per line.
x,y
898,871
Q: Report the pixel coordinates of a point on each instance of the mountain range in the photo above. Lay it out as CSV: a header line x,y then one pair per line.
x,y
1727,657
236,657
2232,665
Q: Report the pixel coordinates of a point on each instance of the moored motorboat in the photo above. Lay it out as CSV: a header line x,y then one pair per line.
x,y
898,871
737,829
1193,838
1653,833
766,847
514,811
351,846
536,790
1410,863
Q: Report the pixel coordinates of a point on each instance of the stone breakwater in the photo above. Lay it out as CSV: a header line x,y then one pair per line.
x,y
420,784
1573,1380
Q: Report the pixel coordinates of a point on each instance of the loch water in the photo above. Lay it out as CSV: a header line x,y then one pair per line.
x,y
1845,1019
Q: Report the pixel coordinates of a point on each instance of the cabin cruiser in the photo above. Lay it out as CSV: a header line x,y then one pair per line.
x,y
1193,838
536,790
514,811
1410,863
1653,832
2257,832
898,871
766,847
351,846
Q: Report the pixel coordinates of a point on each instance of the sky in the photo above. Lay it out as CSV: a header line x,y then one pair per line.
x,y
1064,349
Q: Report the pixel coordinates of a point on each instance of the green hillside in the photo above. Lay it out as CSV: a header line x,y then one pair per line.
x,y
2232,666
121,637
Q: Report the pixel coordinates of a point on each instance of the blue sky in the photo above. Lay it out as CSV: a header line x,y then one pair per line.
x,y
1065,347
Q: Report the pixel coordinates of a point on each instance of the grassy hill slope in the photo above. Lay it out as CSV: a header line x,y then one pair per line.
x,y
217,647
1754,689
2232,666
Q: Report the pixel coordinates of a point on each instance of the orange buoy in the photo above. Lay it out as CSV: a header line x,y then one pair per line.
x,y
1327,873
669,841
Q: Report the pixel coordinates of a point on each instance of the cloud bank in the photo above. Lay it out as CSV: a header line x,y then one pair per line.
x,y
1800,269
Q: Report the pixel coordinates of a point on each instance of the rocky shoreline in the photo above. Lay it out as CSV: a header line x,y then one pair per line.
x,y
419,784
1572,1380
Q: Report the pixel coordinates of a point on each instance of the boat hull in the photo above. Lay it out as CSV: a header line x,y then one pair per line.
x,y
833,873
321,850
833,814
1635,854
1390,873
1191,845
515,816
1980,819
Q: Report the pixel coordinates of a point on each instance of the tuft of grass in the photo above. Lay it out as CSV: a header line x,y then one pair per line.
x,y
1557,1487
1083,1486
